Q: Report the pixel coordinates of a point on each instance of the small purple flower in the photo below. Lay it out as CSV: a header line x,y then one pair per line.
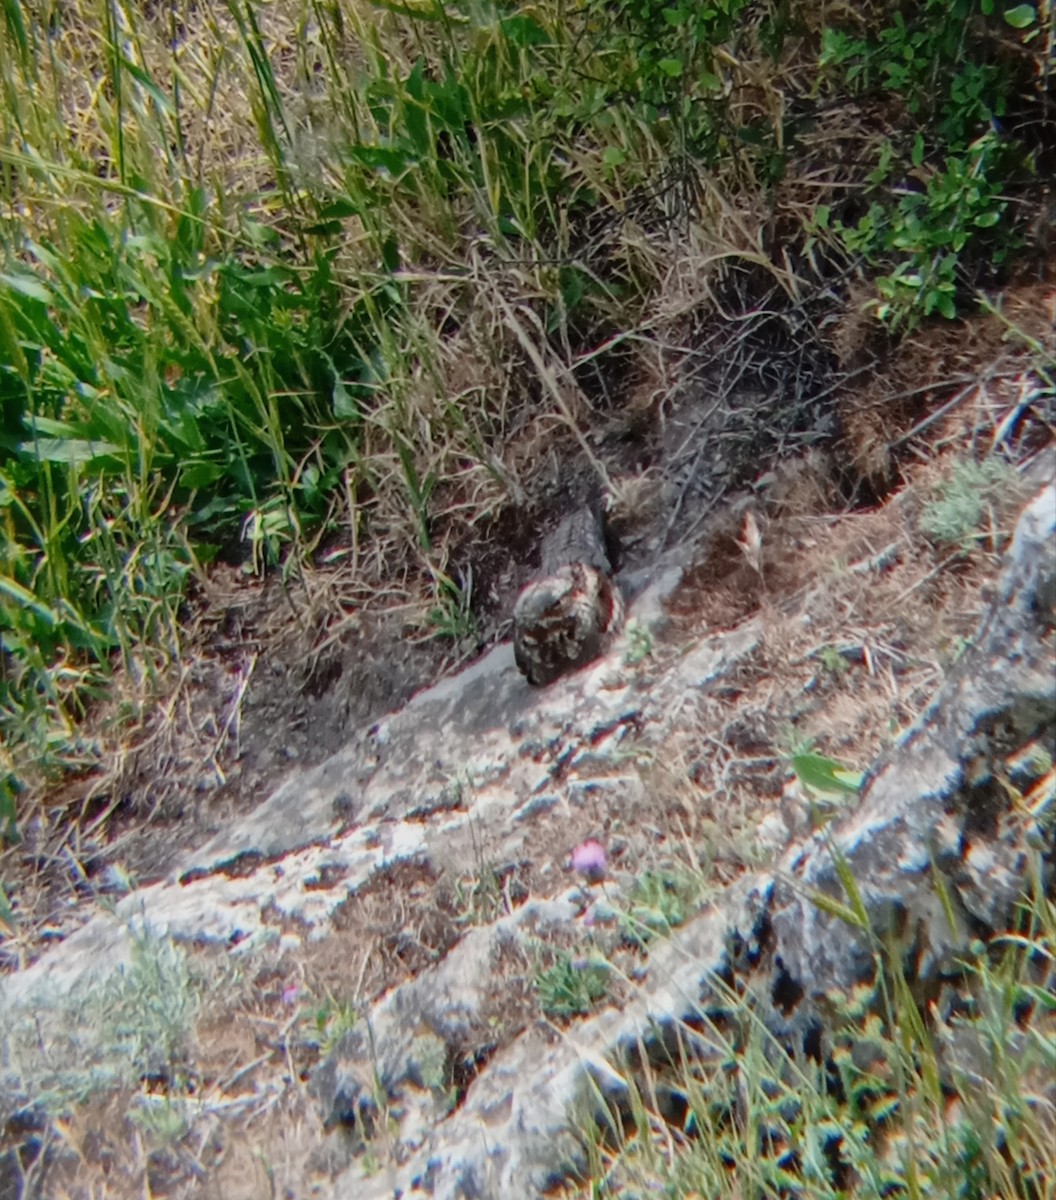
x,y
290,993
590,860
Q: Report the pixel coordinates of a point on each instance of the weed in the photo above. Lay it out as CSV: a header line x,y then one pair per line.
x,y
452,617
571,985
9,789
963,510
8,920
165,1121
328,1024
953,649
659,901
639,644
429,1059
480,898
135,1025
833,661
430,1055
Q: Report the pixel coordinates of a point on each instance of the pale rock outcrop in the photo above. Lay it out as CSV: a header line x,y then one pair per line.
x,y
484,758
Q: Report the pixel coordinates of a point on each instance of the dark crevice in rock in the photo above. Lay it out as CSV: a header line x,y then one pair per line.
x,y
786,992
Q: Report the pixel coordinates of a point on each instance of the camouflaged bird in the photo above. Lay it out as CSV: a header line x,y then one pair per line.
x,y
567,615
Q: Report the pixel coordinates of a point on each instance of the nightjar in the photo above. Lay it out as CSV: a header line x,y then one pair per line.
x,y
565,617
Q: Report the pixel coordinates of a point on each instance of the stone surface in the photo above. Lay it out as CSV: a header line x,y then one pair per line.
x,y
483,759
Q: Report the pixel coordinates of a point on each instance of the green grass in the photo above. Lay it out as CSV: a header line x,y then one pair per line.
x,y
571,986
950,1096
289,276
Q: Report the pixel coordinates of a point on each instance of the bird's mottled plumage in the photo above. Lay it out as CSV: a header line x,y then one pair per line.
x,y
564,618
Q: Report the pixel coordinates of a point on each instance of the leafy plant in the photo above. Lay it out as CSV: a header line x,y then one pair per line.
x,y
659,901
920,57
667,58
639,644
927,229
939,196
571,986
963,510
329,1023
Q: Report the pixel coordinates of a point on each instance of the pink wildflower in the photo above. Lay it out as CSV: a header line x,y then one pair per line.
x,y
590,860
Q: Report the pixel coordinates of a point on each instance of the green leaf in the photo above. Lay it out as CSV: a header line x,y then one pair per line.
x,y
8,921
378,158
323,228
822,774
390,255
72,451
672,67
944,303
1021,16
345,406
16,26
523,31
613,156
337,209
200,474
26,285
148,84
13,589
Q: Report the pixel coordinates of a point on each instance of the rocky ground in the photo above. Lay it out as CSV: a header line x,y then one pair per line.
x,y
327,980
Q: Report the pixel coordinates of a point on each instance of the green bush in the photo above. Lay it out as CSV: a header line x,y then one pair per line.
x,y
939,205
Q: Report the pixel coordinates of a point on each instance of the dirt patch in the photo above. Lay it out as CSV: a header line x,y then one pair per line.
x,y
404,922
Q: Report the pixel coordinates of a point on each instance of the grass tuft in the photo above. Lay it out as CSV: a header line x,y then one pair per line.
x,y
950,1097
